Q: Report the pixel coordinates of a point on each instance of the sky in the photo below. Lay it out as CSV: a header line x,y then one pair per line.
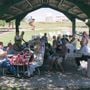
x,y
41,14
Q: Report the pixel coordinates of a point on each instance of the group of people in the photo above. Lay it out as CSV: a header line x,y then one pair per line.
x,y
63,46
10,49
4,62
55,53
35,60
45,53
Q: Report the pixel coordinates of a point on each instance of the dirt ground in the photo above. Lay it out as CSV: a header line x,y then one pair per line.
x,y
71,79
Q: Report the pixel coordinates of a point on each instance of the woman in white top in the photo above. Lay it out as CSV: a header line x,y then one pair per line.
x,y
38,59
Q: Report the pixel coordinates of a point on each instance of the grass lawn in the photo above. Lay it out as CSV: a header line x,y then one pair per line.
x,y
40,29
9,36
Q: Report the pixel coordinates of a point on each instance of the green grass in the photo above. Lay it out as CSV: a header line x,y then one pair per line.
x,y
5,38
40,28
47,25
9,36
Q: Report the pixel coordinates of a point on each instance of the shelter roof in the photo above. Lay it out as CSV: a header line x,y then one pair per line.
x,y
11,9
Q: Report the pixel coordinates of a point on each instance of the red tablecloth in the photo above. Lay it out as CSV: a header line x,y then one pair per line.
x,y
23,59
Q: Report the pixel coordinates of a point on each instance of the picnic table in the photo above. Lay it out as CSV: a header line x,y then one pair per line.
x,y
20,62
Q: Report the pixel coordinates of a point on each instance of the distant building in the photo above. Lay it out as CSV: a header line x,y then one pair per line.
x,y
61,19
49,19
56,19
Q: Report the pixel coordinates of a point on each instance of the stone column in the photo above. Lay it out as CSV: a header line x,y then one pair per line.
x,y
88,24
17,23
73,26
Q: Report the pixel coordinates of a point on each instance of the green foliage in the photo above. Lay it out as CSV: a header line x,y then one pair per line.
x,y
2,23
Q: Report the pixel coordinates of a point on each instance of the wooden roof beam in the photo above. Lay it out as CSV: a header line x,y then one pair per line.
x,y
45,2
84,7
60,3
4,8
23,14
17,8
55,8
29,3
71,8
79,13
41,1
66,13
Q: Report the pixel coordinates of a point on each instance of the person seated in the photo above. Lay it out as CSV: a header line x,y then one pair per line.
x,y
55,58
49,56
64,39
71,53
85,39
37,61
1,45
60,55
61,50
85,51
48,51
71,48
4,62
10,49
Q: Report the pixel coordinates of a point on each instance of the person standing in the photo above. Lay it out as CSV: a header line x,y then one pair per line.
x,y
84,50
44,38
18,41
54,43
84,40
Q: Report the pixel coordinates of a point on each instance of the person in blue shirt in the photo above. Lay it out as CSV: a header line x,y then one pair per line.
x,y
4,61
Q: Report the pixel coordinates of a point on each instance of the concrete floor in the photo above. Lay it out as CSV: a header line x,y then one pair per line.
x,y
71,79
